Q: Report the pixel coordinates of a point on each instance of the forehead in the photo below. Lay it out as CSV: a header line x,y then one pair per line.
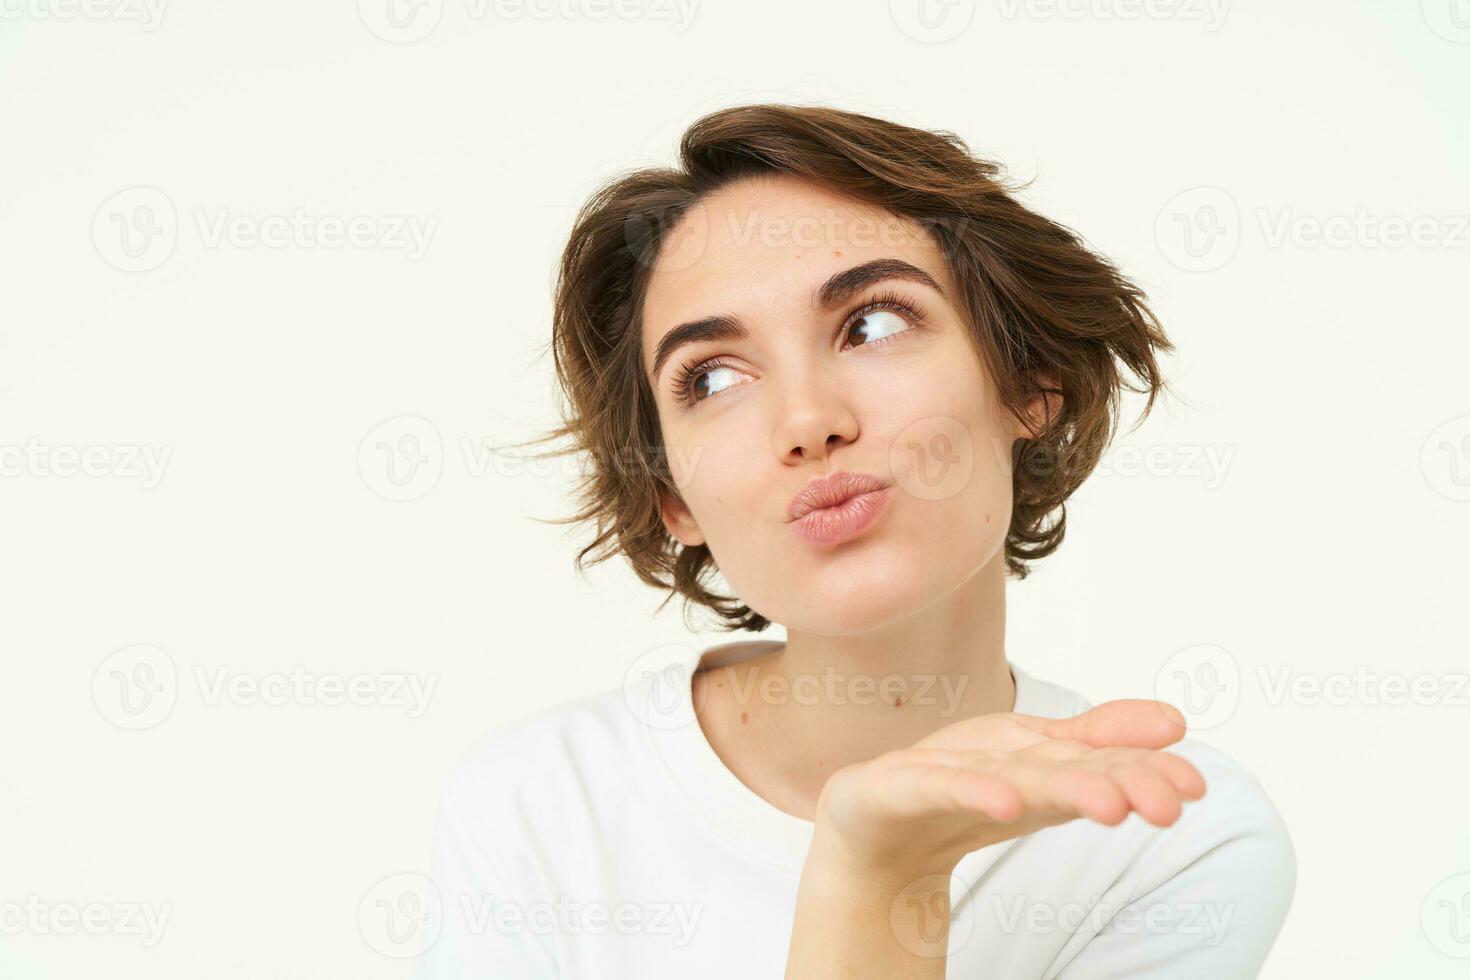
x,y
762,245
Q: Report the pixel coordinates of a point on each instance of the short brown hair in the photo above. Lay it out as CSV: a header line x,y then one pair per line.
x,y
1038,300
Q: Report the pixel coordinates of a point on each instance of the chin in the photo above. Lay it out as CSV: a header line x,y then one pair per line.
x,y
846,598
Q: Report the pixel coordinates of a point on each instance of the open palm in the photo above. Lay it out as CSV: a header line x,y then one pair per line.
x,y
997,776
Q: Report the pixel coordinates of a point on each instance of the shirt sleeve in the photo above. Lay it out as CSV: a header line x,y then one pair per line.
x,y
484,934
1211,896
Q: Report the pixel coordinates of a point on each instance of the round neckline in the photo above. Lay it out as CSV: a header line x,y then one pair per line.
x,y
743,818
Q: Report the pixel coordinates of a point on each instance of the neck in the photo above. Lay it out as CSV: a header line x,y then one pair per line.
x,y
822,702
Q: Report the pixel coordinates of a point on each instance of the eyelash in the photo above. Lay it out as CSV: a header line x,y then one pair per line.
x,y
886,300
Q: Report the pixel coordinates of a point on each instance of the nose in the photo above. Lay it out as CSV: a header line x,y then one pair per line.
x,y
813,422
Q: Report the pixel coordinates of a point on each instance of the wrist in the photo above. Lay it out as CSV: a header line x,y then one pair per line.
x,y
831,858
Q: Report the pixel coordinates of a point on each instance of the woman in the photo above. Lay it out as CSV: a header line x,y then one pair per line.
x,y
833,358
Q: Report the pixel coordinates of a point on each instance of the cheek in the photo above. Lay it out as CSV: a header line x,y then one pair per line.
x,y
722,484
945,433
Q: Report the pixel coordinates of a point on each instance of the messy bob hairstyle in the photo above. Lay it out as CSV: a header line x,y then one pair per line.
x,y
1045,313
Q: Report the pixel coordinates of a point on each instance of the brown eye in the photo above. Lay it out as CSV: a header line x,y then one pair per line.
x,y
691,385
704,386
875,325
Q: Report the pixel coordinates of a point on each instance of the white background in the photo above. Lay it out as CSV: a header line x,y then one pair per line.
x,y
1326,381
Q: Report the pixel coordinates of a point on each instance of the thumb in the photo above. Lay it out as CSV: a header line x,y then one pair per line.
x,y
1135,722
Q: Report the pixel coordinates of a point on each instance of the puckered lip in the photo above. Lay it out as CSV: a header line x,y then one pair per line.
x,y
831,490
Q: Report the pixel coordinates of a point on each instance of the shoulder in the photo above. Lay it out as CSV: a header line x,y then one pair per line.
x,y
1204,897
1232,844
1236,818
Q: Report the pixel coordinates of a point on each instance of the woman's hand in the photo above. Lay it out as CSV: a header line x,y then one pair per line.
x,y
890,831
997,776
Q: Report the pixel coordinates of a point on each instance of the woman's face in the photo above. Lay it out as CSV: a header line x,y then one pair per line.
x,y
813,385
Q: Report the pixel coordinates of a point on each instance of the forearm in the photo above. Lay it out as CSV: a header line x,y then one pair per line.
x,y
856,924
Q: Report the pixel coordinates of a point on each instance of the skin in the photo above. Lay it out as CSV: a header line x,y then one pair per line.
x,y
900,781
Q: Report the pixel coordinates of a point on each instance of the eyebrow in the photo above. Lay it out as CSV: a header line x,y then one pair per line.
x,y
838,289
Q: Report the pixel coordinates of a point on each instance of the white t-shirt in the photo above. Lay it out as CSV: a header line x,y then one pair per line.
x,y
605,838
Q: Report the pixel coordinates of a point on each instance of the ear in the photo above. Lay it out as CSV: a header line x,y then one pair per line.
x,y
1042,408
679,521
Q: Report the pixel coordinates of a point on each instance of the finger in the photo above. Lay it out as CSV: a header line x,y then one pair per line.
x,y
1056,750
988,794
1149,792
923,788
1181,773
1088,794
1129,721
